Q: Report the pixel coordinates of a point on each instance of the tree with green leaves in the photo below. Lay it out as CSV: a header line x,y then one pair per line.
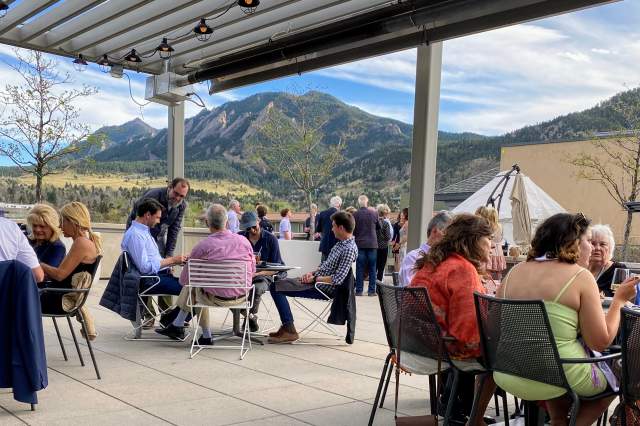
x,y
40,129
291,145
616,161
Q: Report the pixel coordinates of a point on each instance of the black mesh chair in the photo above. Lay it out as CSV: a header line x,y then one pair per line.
x,y
395,276
421,339
630,381
76,312
517,339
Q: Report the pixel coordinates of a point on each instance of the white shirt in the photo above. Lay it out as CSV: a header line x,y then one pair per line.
x,y
285,226
233,223
14,245
406,270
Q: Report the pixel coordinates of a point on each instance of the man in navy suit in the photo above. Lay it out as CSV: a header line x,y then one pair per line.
x,y
323,227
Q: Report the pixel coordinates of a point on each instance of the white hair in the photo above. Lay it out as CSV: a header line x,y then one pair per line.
x,y
234,203
363,200
335,202
604,231
216,217
383,209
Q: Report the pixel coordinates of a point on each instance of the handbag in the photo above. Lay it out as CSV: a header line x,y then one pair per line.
x,y
426,420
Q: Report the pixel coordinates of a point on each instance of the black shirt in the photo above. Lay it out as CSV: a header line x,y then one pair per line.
x,y
604,280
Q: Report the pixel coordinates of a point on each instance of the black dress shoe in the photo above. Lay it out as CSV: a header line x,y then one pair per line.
x,y
175,333
253,323
205,341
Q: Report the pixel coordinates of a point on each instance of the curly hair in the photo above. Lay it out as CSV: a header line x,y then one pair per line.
x,y
558,237
462,237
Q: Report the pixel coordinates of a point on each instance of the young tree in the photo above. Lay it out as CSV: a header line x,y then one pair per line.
x,y
291,146
616,165
39,124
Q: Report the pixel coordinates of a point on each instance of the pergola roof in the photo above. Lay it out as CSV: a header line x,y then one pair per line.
x,y
282,37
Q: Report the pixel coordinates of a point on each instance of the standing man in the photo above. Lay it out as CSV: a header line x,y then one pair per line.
x,y
324,224
233,221
435,232
266,249
365,235
165,233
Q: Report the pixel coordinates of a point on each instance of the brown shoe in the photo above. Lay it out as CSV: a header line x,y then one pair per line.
x,y
289,334
277,333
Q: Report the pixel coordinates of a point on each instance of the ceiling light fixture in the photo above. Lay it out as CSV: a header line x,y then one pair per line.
x,y
165,49
79,63
248,6
133,57
104,64
203,31
3,9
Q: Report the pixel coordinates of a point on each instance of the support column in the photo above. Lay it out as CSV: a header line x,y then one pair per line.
x,y
175,155
425,142
175,141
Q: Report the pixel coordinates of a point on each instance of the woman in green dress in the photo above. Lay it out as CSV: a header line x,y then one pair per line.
x,y
551,273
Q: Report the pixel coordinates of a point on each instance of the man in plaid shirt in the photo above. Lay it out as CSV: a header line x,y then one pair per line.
x,y
334,270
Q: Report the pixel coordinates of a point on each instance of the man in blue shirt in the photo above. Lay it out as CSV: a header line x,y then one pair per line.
x,y
266,248
143,250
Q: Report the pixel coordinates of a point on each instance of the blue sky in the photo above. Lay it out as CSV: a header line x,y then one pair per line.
x,y
492,82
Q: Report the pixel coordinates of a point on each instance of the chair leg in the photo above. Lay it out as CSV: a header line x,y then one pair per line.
x,y
380,383
476,398
64,352
33,407
433,394
574,410
75,341
386,386
518,411
452,396
505,411
86,338
496,404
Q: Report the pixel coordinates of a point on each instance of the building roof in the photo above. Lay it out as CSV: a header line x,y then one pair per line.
x,y
279,37
470,185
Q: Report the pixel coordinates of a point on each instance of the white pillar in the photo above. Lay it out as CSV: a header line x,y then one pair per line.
x,y
425,142
175,155
175,141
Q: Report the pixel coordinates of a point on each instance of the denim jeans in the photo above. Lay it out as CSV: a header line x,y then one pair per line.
x,y
366,260
168,285
282,304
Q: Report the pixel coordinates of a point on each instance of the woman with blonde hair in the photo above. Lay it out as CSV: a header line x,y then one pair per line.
x,y
497,263
82,257
44,222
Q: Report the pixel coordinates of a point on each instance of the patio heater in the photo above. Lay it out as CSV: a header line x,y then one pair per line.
x,y
501,186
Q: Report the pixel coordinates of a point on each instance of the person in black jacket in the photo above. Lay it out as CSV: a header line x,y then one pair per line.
x,y
173,200
323,227
265,224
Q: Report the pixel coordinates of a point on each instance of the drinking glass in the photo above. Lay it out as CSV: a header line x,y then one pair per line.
x,y
620,275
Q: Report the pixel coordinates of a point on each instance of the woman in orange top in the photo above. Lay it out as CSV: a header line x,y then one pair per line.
x,y
450,272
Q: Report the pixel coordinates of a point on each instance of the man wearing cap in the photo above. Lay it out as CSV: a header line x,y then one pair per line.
x,y
266,248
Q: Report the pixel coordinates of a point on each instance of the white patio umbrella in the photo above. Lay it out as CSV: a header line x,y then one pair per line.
x,y
520,213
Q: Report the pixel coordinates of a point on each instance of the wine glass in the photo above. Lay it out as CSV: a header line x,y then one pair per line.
x,y
620,275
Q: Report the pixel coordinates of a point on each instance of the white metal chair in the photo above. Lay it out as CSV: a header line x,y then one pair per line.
x,y
319,319
142,308
204,274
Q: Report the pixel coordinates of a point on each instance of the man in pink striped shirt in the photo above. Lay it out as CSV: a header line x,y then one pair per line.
x,y
220,245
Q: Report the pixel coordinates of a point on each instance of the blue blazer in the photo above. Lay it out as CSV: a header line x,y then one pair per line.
x,y
23,363
323,225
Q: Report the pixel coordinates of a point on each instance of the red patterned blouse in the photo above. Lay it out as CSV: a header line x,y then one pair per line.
x,y
451,285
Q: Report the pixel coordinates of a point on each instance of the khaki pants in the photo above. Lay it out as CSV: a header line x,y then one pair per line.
x,y
201,297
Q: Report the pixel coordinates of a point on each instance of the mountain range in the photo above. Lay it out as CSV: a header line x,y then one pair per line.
x,y
377,152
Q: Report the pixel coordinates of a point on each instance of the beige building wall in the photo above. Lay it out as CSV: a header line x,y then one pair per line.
x,y
548,166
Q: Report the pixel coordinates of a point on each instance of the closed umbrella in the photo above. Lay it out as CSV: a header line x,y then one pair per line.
x,y
520,213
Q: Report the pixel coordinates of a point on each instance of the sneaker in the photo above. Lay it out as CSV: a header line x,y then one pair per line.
x,y
277,333
285,337
171,331
205,341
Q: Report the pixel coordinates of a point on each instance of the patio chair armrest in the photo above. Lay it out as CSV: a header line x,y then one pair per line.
x,y
590,360
64,290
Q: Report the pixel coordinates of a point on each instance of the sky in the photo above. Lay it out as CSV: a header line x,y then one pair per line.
x,y
492,83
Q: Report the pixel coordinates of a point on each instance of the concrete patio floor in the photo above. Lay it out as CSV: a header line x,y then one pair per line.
x,y
149,383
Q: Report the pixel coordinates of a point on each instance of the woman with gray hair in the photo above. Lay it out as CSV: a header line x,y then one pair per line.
x,y
601,264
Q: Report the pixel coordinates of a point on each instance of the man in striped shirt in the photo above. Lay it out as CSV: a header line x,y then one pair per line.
x,y
334,270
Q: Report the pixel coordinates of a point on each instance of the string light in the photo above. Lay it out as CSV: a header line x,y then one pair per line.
x,y
104,64
248,6
165,49
203,31
3,9
133,57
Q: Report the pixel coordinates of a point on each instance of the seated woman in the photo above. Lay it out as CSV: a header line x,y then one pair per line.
x,y
82,257
601,264
44,222
570,294
451,273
